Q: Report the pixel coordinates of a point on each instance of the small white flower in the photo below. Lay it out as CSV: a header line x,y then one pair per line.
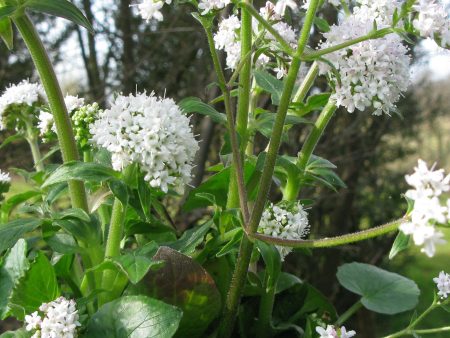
x,y
291,223
281,72
4,178
73,102
207,6
46,124
443,284
346,334
329,332
281,5
268,12
33,321
152,132
150,9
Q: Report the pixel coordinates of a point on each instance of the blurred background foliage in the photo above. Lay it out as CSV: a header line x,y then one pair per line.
x,y
372,153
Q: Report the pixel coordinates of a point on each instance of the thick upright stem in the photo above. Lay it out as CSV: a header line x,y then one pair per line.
x,y
240,272
113,246
34,146
243,100
265,309
56,100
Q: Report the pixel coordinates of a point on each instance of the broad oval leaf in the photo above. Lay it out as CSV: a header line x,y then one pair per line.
x,y
62,8
185,283
382,291
81,171
134,317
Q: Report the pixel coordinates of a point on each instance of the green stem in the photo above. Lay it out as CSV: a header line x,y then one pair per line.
x,y
307,83
293,182
332,241
34,146
56,101
347,314
87,156
242,264
112,247
265,309
436,330
243,101
237,160
253,12
309,56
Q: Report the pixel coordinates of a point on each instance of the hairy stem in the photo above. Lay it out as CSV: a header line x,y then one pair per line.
x,y
56,101
332,241
32,140
242,264
265,309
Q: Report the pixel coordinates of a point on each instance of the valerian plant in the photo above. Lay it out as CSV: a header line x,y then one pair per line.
x,y
110,262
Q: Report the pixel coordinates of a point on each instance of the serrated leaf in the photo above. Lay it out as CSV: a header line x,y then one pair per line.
x,y
15,264
134,317
401,243
38,286
12,231
81,171
195,105
382,291
61,8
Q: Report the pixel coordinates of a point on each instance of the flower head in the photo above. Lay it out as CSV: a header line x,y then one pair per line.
x,y
152,132
428,184
150,9
82,118
372,73
281,5
285,221
58,318
432,21
73,102
23,94
443,284
332,332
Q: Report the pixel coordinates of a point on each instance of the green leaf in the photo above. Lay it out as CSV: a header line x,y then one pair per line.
x,y
62,8
119,190
81,171
184,283
195,105
6,10
382,291
64,244
401,243
6,33
265,121
138,262
313,103
134,317
17,199
14,266
191,238
270,84
232,245
12,231
21,333
286,281
322,24
272,259
38,286
13,137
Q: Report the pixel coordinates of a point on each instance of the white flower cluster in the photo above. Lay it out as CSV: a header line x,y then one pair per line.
x,y
4,177
207,6
372,73
331,332
152,132
227,38
151,9
443,284
429,184
24,93
46,123
284,222
82,118
433,21
57,319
